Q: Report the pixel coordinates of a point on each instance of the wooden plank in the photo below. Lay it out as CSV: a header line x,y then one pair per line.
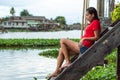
x,y
92,56
118,63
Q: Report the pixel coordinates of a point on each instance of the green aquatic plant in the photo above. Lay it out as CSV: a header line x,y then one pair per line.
x,y
50,53
31,42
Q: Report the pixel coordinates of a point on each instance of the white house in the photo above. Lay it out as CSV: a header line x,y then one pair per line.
x,y
28,21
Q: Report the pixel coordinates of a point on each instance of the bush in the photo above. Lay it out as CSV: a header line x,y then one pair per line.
x,y
104,73
115,14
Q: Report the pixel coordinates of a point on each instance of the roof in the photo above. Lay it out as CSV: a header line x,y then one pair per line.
x,y
28,17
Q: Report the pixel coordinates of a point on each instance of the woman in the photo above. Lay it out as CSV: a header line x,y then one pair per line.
x,y
68,47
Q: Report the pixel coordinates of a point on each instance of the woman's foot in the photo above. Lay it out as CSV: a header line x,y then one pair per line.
x,y
65,65
53,74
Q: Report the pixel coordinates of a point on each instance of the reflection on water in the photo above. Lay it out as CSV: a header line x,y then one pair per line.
x,y
24,65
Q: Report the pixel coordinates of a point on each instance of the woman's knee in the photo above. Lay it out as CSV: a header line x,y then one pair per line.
x,y
63,40
60,51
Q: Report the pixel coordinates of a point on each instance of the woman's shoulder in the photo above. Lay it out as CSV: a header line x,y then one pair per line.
x,y
96,21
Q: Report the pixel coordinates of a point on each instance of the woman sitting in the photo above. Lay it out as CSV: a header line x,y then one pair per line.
x,y
68,47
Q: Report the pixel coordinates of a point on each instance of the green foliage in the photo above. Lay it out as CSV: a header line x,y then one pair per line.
x,y
50,53
104,73
35,78
5,18
61,20
30,42
12,11
112,57
25,13
115,14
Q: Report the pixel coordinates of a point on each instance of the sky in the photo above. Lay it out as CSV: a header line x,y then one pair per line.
x,y
70,9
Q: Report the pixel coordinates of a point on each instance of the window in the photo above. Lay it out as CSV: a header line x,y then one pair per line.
x,y
17,23
4,23
23,24
9,23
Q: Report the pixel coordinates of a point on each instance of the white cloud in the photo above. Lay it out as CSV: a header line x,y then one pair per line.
x,y
53,8
15,3
70,9
4,11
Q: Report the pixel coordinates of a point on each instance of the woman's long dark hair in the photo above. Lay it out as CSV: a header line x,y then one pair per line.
x,y
92,10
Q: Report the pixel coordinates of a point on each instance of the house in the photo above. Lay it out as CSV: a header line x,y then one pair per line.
x,y
29,22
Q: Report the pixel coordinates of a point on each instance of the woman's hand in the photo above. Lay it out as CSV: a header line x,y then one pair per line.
x,y
81,42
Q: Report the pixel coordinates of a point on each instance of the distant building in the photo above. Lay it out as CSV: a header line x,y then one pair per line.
x,y
28,22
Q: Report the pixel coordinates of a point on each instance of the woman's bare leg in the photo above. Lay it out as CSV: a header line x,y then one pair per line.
x,y
63,53
67,46
60,60
73,46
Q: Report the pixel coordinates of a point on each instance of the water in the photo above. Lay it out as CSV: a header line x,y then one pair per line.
x,y
44,35
24,65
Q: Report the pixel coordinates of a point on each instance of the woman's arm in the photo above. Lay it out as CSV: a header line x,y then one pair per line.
x,y
95,38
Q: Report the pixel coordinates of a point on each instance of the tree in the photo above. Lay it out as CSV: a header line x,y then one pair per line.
x,y
5,18
25,13
12,11
61,20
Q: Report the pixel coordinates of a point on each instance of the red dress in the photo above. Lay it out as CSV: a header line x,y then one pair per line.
x,y
89,32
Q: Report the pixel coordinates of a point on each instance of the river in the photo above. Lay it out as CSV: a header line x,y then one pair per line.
x,y
24,64
44,35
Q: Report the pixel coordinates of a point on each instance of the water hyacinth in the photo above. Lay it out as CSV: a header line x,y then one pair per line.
x,y
50,53
30,42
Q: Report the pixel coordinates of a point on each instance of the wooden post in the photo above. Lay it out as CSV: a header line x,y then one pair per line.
x,y
85,6
118,64
100,7
83,15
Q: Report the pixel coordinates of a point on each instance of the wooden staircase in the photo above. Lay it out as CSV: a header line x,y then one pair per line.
x,y
98,51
